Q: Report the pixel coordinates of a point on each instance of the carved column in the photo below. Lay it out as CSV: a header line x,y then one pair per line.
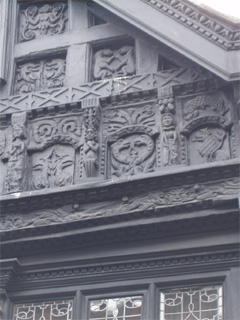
x,y
91,145
169,133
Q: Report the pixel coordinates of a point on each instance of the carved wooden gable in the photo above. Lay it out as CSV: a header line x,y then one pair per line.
x,y
124,119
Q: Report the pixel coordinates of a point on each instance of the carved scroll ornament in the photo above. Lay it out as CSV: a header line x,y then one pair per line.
x,y
110,63
45,20
51,131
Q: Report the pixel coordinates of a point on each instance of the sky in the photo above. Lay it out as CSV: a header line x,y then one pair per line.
x,y
227,7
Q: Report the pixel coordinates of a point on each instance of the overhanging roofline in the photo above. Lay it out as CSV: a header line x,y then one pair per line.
x,y
189,38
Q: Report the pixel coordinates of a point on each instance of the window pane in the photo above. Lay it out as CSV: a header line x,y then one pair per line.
x,y
55,310
192,304
116,309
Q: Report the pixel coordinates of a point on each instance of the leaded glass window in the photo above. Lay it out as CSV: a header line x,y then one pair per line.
x,y
54,310
192,304
127,308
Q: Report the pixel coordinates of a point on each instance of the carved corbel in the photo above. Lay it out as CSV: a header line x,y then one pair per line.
x,y
92,114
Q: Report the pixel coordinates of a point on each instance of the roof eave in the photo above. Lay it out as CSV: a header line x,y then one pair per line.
x,y
156,23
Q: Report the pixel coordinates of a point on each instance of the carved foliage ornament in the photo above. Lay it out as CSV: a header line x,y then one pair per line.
x,y
44,20
36,76
115,120
110,63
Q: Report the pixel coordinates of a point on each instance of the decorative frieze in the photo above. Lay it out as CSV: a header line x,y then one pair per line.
x,y
39,75
42,20
130,86
145,201
110,63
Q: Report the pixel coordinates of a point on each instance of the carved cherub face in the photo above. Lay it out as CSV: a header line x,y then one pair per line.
x,y
46,9
91,134
123,50
19,131
167,119
107,53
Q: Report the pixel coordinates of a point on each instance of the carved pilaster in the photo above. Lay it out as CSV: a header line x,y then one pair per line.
x,y
91,147
16,155
168,128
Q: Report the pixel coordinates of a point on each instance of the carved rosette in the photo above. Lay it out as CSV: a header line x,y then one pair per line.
x,y
206,122
130,137
39,21
39,75
169,136
91,146
108,63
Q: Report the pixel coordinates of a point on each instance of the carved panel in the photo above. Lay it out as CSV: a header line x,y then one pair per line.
x,y
109,63
15,156
53,168
208,144
130,134
38,21
39,75
132,155
206,122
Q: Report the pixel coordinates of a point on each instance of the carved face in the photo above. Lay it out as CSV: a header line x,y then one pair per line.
x,y
91,134
124,50
107,53
167,120
18,131
133,149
